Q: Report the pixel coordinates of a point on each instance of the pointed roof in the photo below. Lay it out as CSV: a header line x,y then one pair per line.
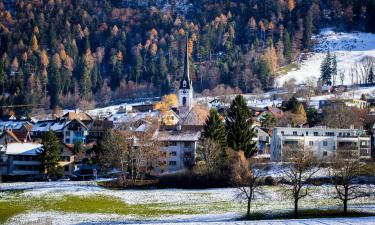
x,y
186,77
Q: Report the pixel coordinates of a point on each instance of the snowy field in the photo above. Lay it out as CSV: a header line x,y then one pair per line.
x,y
349,49
214,206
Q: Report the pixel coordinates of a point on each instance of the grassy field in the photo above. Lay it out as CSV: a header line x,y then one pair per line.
x,y
12,206
88,200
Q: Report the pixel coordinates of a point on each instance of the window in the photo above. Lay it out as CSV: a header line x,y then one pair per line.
x,y
184,83
325,143
172,163
307,133
66,168
282,133
173,143
184,101
325,153
173,153
295,133
316,133
311,143
187,144
67,133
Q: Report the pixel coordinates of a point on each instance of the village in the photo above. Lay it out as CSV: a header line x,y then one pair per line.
x,y
175,126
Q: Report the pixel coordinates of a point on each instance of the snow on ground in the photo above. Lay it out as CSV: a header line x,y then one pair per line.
x,y
216,206
349,48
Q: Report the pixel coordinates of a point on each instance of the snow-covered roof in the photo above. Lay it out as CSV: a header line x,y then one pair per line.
x,y
21,148
11,125
179,135
46,125
132,117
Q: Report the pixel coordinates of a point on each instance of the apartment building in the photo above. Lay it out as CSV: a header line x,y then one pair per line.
x,y
324,142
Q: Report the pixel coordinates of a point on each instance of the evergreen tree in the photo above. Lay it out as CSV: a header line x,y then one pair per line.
x,y
268,120
287,47
293,104
371,76
326,69
239,127
49,154
307,31
214,129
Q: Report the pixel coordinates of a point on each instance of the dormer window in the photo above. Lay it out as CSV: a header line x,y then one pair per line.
x,y
184,83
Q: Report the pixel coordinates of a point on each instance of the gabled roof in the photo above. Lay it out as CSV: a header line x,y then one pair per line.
x,y
77,115
21,148
10,134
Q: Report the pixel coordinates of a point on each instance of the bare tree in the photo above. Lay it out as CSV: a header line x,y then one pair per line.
x,y
247,179
146,157
301,167
345,169
115,148
364,66
208,157
342,76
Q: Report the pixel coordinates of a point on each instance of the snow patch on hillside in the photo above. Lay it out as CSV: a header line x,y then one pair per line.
x,y
349,48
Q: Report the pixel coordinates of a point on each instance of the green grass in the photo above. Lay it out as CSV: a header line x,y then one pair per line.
x,y
86,204
288,68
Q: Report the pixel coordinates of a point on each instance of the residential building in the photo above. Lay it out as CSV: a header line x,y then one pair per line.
x,y
355,103
68,131
180,145
97,129
20,159
324,142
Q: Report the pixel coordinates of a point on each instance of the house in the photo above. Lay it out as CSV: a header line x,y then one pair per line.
x,y
145,107
169,118
324,142
66,162
98,128
215,103
19,159
355,103
180,145
70,132
263,140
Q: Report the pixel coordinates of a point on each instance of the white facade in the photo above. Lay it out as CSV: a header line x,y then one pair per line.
x,y
324,142
185,99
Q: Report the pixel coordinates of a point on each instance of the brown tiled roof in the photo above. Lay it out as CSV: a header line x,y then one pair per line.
x,y
79,116
22,136
11,134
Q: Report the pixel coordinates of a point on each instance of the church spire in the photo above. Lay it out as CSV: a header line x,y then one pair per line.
x,y
185,82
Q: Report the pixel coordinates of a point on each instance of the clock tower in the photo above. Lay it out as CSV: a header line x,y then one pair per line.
x,y
185,92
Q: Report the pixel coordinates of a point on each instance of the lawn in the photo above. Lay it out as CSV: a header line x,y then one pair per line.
x,y
11,207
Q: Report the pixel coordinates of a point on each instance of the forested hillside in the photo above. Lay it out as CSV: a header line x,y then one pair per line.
x,y
69,53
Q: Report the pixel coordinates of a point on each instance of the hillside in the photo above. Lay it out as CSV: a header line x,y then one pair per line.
x,y
349,48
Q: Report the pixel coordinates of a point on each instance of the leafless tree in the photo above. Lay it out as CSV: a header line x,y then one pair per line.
x,y
247,179
146,157
300,168
344,171
364,66
342,76
342,116
115,148
208,157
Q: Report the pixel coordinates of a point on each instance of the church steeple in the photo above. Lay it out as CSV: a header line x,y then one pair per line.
x,y
186,82
185,93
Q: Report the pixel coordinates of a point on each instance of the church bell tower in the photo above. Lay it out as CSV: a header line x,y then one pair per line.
x,y
185,92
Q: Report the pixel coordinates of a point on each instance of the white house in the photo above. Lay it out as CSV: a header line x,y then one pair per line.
x,y
324,142
180,146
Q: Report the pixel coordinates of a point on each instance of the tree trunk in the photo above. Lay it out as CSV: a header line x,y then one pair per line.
x,y
296,208
248,207
345,206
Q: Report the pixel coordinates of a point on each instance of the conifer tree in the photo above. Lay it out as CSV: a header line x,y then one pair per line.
x,y
371,76
307,31
49,154
334,69
326,69
239,127
214,129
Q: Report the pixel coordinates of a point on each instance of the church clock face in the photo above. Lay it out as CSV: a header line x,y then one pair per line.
x,y
184,92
